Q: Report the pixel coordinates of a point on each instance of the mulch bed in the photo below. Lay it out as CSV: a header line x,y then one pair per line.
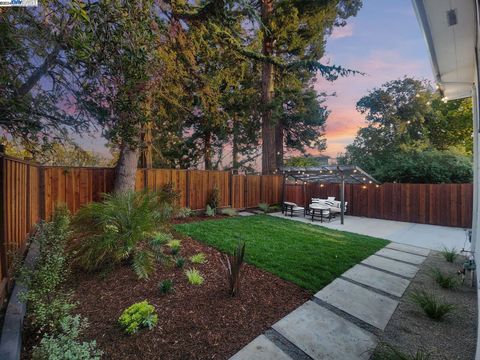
x,y
195,322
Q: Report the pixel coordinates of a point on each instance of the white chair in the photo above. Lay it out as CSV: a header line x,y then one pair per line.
x,y
293,208
337,208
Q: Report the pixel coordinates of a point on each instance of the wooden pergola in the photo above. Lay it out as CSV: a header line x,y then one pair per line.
x,y
328,174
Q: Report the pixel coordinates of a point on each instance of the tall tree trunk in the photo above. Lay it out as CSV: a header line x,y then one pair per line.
x,y
146,156
268,129
207,150
279,144
235,144
126,169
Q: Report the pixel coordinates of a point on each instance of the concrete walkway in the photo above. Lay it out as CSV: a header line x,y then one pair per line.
x,y
432,237
344,319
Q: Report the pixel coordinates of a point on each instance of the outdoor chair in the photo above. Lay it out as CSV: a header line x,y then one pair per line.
x,y
292,208
336,208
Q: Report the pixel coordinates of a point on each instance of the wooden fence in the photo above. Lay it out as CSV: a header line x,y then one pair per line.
x,y
436,204
29,192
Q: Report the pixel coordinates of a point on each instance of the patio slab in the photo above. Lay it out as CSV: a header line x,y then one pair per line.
x,y
324,335
400,255
364,304
409,249
432,237
392,266
378,279
261,349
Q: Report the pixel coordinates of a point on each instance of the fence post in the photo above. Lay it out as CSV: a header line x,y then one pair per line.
x,y
3,215
230,184
41,191
245,192
187,189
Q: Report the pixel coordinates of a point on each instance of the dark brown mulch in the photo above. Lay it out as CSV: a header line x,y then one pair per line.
x,y
195,322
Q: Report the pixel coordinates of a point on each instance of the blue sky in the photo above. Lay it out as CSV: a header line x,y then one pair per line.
x,y
386,43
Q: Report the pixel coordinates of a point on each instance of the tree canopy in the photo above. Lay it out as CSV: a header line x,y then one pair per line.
x,y
412,135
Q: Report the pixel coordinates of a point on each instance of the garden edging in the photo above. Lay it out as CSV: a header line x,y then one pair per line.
x,y
11,338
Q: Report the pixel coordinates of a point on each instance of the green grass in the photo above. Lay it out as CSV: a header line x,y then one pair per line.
x,y
307,255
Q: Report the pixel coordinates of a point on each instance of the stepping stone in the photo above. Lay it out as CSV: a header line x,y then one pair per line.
x,y
364,304
409,249
393,266
321,334
377,279
244,213
402,256
261,349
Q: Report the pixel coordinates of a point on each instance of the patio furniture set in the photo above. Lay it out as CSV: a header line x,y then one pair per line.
x,y
318,209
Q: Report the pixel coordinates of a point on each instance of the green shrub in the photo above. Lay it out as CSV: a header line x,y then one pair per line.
x,y
161,238
210,211
179,262
46,301
121,228
445,281
165,286
434,307
388,352
264,207
66,345
229,212
199,258
139,315
214,198
183,212
234,266
449,254
275,208
194,277
175,246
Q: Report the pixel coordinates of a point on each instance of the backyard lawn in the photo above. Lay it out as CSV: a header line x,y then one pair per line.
x,y
307,255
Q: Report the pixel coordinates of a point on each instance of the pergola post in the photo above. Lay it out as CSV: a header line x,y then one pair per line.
x,y
283,190
342,198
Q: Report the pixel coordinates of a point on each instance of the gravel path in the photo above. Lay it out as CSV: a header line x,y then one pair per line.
x,y
410,329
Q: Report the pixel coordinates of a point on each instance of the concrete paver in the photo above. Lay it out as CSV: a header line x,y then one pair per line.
x,y
390,265
364,304
261,349
324,335
400,255
377,279
409,249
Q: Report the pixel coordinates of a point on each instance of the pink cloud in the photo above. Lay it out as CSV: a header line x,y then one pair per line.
x,y
344,121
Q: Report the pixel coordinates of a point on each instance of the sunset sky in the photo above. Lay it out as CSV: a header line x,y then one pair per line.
x,y
384,42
